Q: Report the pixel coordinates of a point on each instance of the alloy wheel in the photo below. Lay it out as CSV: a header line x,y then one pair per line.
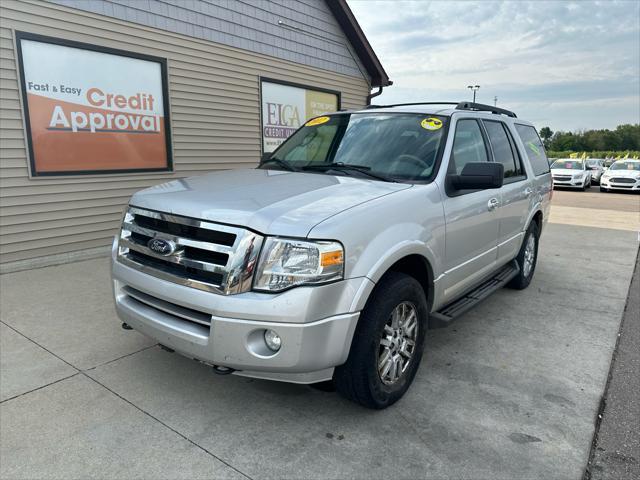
x,y
529,256
398,343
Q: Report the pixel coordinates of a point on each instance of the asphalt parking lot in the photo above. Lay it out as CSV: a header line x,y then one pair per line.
x,y
512,390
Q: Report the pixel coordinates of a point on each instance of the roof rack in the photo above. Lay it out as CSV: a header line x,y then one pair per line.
x,y
459,106
485,108
411,104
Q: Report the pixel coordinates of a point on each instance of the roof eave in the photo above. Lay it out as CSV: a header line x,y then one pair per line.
x,y
347,21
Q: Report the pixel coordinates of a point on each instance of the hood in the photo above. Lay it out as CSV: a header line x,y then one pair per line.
x,y
623,173
268,201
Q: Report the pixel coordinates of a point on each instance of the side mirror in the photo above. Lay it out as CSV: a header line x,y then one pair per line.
x,y
265,156
478,176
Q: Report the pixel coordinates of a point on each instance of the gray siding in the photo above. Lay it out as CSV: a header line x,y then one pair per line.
x,y
215,122
302,31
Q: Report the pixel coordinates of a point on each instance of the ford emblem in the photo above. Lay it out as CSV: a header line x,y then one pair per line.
x,y
161,246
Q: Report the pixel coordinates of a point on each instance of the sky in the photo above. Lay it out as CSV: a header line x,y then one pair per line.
x,y
569,65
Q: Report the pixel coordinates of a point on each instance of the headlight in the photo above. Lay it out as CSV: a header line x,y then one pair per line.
x,y
286,263
578,175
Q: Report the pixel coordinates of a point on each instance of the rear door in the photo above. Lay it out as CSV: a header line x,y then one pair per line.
x,y
471,216
516,190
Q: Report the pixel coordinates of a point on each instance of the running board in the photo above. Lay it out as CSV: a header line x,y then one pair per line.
x,y
446,315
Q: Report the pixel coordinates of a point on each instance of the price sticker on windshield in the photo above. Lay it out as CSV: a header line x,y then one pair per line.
x,y
431,123
317,121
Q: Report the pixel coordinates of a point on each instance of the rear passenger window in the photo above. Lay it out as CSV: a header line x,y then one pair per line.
x,y
468,146
502,149
534,148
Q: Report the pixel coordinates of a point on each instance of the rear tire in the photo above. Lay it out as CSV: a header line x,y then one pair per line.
x,y
394,318
527,258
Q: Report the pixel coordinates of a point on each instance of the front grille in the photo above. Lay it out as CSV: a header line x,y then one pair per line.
x,y
623,180
562,178
208,256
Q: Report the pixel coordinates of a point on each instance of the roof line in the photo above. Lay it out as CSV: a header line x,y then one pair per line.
x,y
347,21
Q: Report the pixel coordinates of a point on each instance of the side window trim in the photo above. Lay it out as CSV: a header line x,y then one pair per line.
x,y
487,143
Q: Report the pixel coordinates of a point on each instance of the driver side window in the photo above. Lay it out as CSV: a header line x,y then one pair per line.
x,y
468,146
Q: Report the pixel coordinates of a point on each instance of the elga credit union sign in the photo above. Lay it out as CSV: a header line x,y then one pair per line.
x,y
286,106
92,110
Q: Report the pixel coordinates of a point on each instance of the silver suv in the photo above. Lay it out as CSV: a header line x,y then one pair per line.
x,y
331,260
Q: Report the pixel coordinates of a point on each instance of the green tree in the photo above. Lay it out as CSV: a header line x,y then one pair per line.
x,y
546,134
624,137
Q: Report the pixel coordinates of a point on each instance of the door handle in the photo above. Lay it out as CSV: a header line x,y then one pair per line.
x,y
492,204
528,191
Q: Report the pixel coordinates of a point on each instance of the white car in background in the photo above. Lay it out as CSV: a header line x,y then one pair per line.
x,y
596,165
571,172
621,175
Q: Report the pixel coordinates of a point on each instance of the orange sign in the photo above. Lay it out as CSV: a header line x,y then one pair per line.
x,y
92,111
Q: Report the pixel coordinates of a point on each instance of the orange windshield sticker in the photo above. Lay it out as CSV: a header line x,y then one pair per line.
x,y
431,123
317,121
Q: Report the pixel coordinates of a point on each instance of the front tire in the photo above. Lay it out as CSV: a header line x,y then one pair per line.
x,y
387,345
527,258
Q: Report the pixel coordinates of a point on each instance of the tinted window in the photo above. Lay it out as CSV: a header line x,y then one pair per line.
x,y
622,165
568,164
502,152
534,148
468,146
401,146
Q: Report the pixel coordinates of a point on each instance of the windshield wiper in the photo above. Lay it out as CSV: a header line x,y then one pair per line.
x,y
283,163
347,166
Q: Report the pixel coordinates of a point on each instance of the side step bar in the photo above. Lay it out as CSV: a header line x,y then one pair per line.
x,y
446,315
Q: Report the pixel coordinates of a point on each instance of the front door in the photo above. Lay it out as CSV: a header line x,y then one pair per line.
x,y
471,217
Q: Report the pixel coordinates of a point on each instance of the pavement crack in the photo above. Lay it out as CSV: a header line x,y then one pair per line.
x,y
119,358
167,426
39,388
41,346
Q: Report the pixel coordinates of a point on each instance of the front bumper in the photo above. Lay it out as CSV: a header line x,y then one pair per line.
x,y
316,324
609,184
573,183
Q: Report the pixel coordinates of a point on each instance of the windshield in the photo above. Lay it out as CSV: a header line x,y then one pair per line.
x,y
626,166
594,163
568,164
399,147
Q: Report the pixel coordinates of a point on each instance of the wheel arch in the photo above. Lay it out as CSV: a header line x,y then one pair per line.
x,y
414,264
537,216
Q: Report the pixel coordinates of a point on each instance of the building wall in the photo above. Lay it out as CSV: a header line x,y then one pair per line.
x,y
303,31
215,121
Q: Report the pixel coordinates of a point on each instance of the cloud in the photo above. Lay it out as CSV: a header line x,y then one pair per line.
x,y
556,61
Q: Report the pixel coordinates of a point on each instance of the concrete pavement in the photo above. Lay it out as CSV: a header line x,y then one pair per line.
x,y
510,391
616,449
620,211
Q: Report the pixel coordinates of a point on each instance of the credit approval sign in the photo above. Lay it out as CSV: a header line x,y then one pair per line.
x,y
287,106
92,110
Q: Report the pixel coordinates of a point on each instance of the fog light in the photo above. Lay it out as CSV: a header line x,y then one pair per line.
x,y
273,340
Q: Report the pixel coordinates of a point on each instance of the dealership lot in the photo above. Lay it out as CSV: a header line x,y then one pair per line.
x,y
510,391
